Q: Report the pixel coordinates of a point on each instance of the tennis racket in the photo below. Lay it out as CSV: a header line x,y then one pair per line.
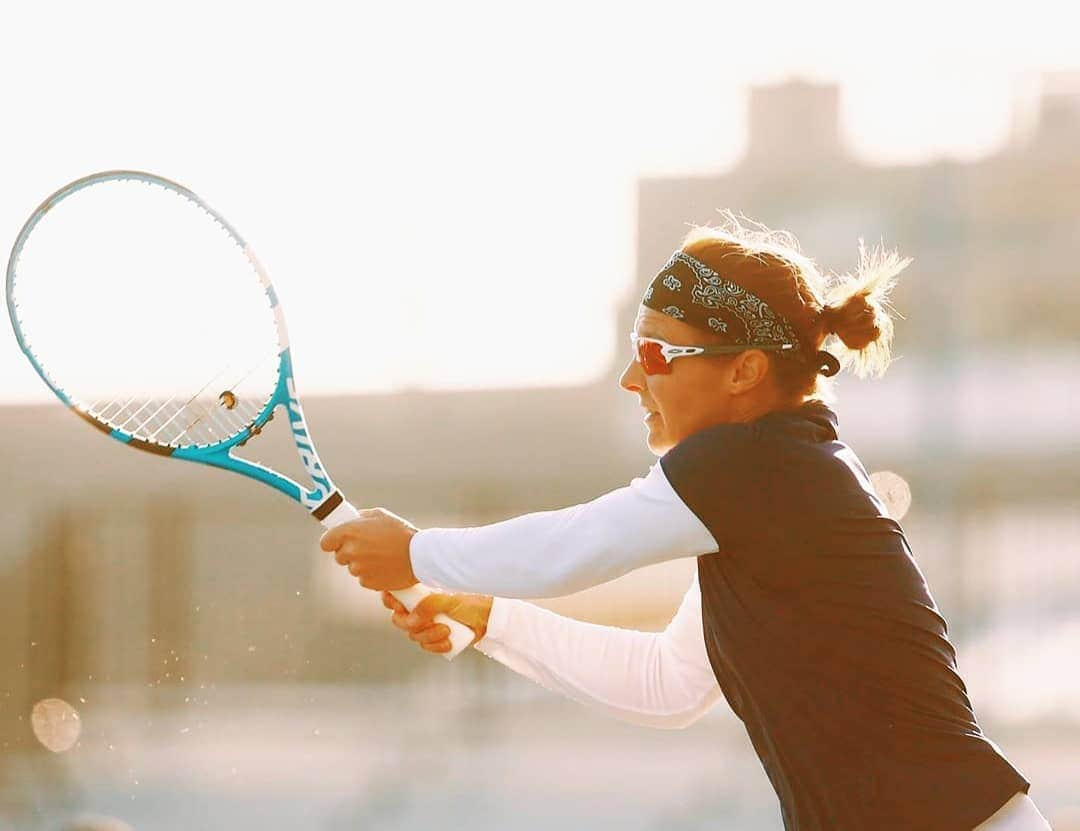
x,y
150,317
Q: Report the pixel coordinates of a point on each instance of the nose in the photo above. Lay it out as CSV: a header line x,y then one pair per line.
x,y
632,378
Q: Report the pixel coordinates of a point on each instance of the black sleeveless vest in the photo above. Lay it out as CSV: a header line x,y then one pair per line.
x,y
824,636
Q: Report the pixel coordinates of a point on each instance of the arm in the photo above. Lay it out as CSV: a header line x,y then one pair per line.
x,y
554,553
652,679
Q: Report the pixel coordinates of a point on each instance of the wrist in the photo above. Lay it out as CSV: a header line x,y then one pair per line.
x,y
498,614
416,558
410,550
408,557
483,614
473,610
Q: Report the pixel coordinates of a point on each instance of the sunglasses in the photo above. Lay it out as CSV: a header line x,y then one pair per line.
x,y
655,355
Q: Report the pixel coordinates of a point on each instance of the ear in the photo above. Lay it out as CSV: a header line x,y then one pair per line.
x,y
748,371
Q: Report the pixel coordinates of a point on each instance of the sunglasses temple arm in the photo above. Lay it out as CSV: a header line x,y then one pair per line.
x,y
731,350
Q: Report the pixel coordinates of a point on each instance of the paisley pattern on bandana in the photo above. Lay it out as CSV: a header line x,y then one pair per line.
x,y
713,303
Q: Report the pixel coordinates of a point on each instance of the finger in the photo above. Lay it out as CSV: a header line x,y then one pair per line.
x,y
438,647
356,569
420,634
349,550
402,620
431,634
332,539
391,602
407,624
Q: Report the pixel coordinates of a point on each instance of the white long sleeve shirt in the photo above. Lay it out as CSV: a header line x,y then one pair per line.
x,y
653,679
555,553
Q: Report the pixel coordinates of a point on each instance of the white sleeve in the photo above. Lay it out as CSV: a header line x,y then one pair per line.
x,y
555,553
653,679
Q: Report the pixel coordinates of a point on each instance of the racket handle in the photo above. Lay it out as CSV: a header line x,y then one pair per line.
x,y
460,634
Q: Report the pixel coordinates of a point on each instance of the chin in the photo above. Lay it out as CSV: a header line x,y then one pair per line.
x,y
659,445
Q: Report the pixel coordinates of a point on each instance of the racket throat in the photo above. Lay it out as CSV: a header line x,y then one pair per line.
x,y
323,490
328,506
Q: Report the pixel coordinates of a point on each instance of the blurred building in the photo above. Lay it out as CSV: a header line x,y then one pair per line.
x,y
119,568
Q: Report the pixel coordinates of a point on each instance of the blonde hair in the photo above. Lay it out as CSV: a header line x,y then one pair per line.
x,y
852,306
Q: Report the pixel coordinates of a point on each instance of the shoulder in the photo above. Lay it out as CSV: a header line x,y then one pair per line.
x,y
714,470
728,473
718,440
724,451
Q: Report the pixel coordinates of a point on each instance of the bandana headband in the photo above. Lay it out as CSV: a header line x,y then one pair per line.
x,y
688,290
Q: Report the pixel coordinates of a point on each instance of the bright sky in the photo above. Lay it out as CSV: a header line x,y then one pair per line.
x,y
444,192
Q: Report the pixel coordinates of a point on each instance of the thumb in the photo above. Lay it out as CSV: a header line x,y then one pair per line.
x,y
333,539
433,604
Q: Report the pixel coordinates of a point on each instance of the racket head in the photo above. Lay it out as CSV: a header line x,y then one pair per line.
x,y
147,314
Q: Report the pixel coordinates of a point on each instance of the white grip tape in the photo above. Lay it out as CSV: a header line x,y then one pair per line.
x,y
460,634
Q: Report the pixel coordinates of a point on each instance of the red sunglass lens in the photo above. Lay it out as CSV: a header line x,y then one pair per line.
x,y
652,358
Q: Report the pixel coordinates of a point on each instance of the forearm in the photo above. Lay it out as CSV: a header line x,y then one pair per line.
x,y
554,553
650,679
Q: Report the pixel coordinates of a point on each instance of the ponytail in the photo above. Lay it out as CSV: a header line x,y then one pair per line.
x,y
858,311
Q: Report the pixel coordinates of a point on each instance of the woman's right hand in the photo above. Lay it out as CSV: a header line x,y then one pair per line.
x,y
471,609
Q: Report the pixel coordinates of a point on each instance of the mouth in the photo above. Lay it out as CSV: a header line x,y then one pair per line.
x,y
650,415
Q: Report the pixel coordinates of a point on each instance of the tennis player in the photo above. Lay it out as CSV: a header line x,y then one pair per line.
x,y
808,613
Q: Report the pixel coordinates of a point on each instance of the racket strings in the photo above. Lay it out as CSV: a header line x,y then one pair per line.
x,y
234,419
217,423
146,311
180,409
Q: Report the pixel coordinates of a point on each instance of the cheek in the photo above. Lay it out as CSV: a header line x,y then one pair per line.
x,y
687,401
667,394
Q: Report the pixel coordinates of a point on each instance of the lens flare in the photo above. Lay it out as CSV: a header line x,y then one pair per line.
x,y
894,492
56,724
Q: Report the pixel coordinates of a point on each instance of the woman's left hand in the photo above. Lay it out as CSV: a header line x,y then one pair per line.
x,y
471,609
375,548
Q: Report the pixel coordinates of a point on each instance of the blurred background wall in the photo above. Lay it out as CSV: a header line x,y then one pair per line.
x,y
227,676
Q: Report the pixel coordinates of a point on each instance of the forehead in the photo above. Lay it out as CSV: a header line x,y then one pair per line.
x,y
653,324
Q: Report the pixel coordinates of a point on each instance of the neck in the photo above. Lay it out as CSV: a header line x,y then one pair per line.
x,y
753,407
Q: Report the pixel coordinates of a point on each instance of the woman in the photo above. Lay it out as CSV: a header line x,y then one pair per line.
x,y
807,613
